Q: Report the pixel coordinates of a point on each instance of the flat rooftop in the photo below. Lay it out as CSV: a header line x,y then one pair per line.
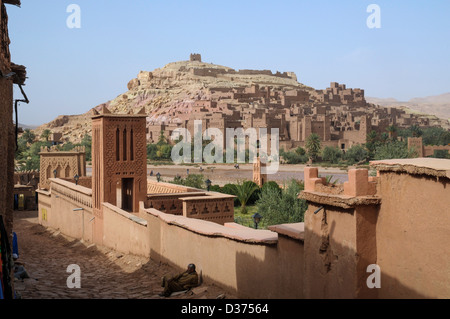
x,y
422,166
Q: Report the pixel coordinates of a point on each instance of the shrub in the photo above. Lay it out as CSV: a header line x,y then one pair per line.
x,y
356,153
394,149
282,207
331,154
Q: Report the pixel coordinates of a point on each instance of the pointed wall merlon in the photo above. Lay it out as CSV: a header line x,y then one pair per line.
x,y
359,183
312,179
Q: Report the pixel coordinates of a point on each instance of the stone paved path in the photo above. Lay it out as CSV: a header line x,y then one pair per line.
x,y
105,274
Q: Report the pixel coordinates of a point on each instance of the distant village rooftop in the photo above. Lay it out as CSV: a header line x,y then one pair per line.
x,y
427,166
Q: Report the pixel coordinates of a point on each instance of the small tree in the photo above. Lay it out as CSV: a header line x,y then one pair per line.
x,y
313,146
271,184
243,192
29,136
194,180
331,154
371,143
356,154
416,131
87,143
46,134
282,207
300,151
392,131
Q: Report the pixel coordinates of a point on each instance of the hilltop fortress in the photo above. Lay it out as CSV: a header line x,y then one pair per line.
x,y
339,115
221,97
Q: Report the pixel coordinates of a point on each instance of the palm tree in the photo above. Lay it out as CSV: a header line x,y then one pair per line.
x,y
46,134
313,146
371,142
243,192
392,130
29,136
416,131
371,137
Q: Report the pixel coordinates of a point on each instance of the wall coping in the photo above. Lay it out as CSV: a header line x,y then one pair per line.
x,y
72,186
177,188
294,231
196,194
343,201
43,192
125,214
208,197
206,228
415,166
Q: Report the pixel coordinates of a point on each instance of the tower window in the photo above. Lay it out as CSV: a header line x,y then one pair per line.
x,y
125,144
131,146
117,145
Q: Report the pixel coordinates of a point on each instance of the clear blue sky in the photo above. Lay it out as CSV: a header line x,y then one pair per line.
x,y
73,70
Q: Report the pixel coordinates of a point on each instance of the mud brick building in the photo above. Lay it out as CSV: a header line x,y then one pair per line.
x,y
10,74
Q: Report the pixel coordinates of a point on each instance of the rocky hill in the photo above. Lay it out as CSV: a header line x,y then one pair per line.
x,y
171,90
438,105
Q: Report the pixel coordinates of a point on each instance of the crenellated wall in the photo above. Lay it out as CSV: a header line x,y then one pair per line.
x,y
339,235
397,221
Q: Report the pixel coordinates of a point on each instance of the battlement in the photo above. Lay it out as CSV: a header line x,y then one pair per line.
x,y
359,184
195,57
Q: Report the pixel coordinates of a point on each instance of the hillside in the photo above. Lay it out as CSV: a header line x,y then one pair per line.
x,y
170,90
438,105
169,93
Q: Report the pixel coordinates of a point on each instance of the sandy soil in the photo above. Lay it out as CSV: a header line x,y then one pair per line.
x,y
221,174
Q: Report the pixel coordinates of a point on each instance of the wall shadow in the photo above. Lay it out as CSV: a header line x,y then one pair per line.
x,y
105,273
330,279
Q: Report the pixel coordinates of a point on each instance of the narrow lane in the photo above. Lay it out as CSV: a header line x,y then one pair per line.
x,y
105,274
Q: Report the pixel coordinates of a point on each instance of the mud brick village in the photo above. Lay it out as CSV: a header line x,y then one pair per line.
x,y
103,191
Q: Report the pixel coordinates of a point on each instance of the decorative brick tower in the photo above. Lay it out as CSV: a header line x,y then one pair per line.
x,y
119,163
258,177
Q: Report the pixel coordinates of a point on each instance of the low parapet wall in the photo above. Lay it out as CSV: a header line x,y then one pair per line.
x,y
67,207
125,232
251,263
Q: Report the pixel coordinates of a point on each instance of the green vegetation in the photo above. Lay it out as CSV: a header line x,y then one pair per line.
x,y
243,191
313,146
356,154
46,134
298,156
160,151
393,149
430,136
28,148
378,146
192,180
331,154
282,207
277,205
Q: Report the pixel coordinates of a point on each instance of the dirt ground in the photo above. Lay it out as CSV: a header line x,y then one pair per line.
x,y
105,274
221,174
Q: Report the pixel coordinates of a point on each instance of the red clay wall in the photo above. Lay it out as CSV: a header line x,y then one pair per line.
x,y
413,236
